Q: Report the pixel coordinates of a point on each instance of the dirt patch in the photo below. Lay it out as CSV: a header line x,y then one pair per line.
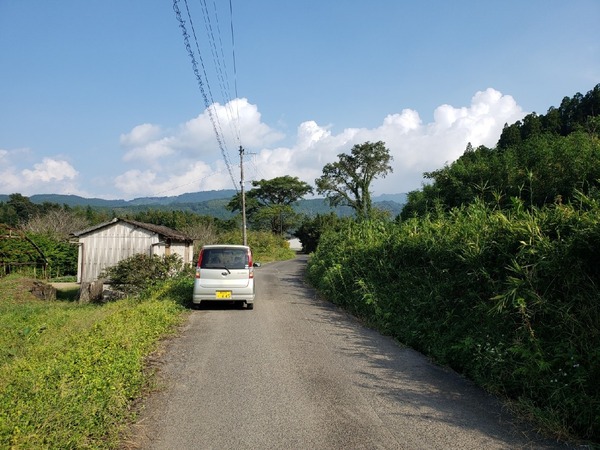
x,y
37,288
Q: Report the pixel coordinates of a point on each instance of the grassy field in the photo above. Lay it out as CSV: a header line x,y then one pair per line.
x,y
69,372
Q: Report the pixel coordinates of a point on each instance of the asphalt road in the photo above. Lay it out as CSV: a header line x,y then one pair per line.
x,y
298,373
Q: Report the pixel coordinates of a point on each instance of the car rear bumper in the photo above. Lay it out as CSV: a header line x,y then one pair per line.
x,y
199,297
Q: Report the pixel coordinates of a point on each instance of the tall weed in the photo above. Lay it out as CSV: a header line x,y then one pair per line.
x,y
509,298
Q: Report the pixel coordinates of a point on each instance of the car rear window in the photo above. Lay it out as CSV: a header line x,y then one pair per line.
x,y
218,258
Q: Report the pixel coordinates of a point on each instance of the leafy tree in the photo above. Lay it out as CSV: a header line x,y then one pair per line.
x,y
551,121
276,218
20,251
269,202
284,190
311,229
347,181
511,135
532,126
23,208
60,254
8,215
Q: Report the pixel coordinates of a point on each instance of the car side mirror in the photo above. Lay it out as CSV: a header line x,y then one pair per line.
x,y
256,264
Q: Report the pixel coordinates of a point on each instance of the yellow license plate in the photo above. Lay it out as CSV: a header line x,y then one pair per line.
x,y
223,294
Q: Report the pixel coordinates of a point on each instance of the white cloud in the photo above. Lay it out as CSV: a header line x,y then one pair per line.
x,y
197,177
416,147
50,170
235,121
186,158
52,175
140,135
150,153
238,120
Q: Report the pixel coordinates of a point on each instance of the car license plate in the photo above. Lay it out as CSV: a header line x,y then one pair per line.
x,y
223,295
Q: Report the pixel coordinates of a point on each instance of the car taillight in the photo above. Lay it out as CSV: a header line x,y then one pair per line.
x,y
250,266
199,263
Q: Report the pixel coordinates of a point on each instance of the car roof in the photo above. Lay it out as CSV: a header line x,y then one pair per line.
x,y
225,246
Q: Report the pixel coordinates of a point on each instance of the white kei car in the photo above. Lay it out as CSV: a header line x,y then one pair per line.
x,y
225,273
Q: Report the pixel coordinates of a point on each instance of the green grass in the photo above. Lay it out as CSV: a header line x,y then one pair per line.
x,y
69,372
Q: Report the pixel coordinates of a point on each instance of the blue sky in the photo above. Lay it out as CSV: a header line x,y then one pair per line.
x,y
98,98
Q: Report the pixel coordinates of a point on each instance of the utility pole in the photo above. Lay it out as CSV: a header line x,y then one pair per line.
x,y
244,236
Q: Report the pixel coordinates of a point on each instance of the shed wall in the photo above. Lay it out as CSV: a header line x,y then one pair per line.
x,y
107,246
180,248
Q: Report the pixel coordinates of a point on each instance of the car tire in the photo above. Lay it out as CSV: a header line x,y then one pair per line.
x,y
250,305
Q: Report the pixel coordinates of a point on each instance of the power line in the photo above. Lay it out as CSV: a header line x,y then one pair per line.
x,y
220,65
210,105
221,73
213,117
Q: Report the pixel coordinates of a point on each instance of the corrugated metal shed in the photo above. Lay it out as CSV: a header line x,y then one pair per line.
x,y
106,244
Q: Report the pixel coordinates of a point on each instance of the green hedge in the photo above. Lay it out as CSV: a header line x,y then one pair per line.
x,y
509,298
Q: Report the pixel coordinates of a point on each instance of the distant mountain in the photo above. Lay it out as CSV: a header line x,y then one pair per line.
x,y
210,203
192,197
75,200
71,200
396,198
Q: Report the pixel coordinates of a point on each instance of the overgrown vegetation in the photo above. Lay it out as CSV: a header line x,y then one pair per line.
x,y
68,372
508,298
142,272
493,270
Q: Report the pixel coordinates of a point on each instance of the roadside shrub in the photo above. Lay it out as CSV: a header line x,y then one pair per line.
x,y
138,272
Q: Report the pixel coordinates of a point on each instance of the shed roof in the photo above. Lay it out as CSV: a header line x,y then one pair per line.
x,y
166,232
